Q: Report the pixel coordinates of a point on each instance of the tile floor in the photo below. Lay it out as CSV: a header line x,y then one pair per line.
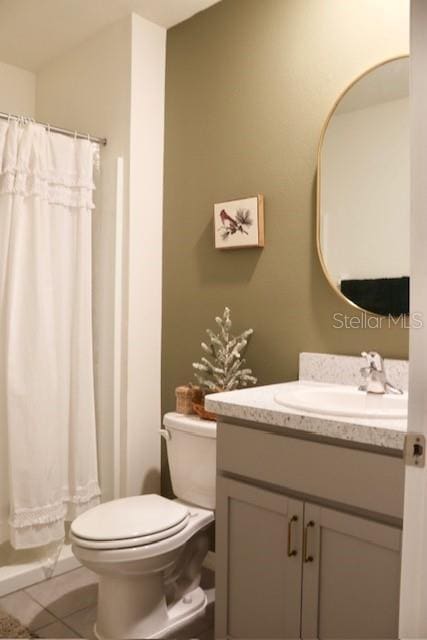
x,y
65,607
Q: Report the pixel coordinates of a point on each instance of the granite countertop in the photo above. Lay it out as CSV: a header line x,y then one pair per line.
x,y
258,405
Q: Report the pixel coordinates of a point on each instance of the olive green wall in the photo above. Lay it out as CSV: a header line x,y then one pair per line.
x,y
249,85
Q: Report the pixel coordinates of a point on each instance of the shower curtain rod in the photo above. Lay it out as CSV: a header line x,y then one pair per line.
x,y
65,132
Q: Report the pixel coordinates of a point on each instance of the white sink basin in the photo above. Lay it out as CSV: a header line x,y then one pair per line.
x,y
340,400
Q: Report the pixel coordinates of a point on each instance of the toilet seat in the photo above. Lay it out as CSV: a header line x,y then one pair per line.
x,y
89,551
129,522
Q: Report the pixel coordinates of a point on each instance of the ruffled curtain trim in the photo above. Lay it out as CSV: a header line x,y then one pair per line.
x,y
37,535
60,173
48,514
27,185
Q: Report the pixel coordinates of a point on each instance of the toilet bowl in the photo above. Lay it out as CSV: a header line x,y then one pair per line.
x,y
148,550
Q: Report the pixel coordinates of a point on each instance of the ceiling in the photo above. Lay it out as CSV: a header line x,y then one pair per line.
x,y
32,32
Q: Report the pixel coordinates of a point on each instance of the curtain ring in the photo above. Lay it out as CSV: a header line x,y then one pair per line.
x,y
75,134
48,128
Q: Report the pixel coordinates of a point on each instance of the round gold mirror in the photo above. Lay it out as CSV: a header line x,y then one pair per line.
x,y
363,191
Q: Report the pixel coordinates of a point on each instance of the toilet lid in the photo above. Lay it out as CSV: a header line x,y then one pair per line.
x,y
128,518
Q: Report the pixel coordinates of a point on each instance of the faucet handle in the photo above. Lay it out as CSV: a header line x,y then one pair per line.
x,y
374,359
375,376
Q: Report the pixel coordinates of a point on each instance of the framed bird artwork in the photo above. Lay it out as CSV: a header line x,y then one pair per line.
x,y
239,223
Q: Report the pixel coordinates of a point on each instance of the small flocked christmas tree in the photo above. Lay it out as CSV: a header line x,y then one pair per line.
x,y
222,368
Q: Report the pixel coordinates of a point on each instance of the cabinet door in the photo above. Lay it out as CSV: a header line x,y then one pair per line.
x,y
258,563
351,576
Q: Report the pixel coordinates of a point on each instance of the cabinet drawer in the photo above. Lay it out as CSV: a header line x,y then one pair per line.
x,y
361,479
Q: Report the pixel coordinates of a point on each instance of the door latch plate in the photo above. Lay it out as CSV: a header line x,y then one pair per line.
x,y
415,448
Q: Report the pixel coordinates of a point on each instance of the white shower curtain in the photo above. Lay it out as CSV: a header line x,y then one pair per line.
x,y
48,464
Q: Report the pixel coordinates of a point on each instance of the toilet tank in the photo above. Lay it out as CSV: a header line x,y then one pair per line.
x,y
191,447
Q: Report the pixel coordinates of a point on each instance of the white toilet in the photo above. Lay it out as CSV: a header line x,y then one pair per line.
x,y
148,550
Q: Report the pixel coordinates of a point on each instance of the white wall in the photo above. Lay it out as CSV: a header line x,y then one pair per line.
x,y
17,90
113,86
413,609
365,205
145,256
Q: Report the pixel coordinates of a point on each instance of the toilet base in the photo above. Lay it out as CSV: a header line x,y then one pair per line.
x,y
190,607
152,590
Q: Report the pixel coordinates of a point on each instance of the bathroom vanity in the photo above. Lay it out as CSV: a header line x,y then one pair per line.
x,y
309,513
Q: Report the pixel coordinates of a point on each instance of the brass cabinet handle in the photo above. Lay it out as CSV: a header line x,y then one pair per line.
x,y
291,552
307,558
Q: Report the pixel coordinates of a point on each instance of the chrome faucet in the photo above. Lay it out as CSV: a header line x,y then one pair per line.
x,y
375,376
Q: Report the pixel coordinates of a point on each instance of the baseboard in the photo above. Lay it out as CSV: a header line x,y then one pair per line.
x,y
209,562
19,576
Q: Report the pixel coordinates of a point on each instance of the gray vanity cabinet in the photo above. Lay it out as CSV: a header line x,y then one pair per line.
x,y
258,592
292,565
351,576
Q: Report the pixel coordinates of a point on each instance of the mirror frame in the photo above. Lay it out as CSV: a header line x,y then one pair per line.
x,y
318,181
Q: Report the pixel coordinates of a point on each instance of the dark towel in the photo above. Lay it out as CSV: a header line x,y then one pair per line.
x,y
385,296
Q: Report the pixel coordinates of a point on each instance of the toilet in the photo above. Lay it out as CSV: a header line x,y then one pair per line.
x,y
148,550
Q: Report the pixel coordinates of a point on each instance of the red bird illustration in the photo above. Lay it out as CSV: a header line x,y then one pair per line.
x,y
228,221
230,225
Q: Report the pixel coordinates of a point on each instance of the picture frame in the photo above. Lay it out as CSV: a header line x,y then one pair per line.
x,y
239,224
